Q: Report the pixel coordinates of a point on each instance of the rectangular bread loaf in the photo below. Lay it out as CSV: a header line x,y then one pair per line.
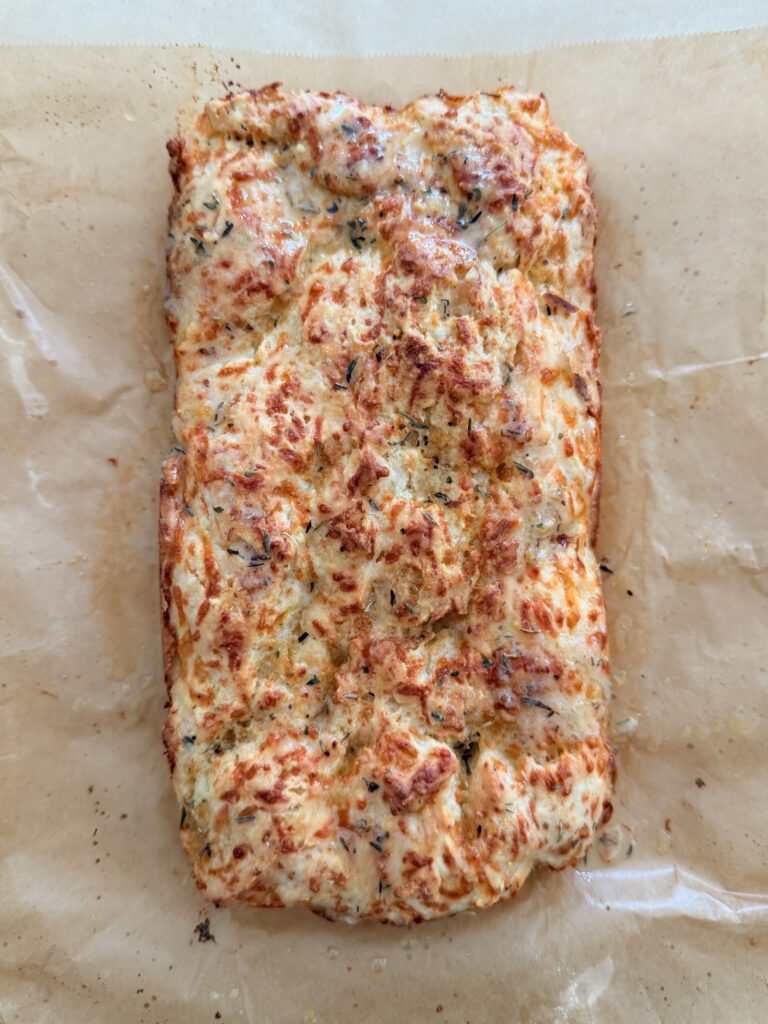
x,y
384,630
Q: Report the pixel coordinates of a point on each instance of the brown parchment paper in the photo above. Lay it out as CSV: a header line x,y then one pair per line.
x,y
97,906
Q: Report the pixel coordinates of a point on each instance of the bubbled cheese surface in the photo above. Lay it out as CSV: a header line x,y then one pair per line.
x,y
384,630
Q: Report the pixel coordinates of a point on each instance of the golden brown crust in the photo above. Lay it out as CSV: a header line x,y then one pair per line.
x,y
385,641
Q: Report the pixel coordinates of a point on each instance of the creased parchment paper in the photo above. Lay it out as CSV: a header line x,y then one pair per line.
x,y
668,919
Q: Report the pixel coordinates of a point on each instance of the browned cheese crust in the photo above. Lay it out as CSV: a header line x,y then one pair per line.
x,y
384,630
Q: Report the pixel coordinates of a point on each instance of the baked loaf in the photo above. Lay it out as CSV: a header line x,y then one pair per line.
x,y
384,631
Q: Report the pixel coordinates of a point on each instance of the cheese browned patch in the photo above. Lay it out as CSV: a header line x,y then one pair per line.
x,y
384,630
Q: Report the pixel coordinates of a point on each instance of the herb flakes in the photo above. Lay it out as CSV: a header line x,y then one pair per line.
x,y
534,702
357,229
414,423
467,750
203,930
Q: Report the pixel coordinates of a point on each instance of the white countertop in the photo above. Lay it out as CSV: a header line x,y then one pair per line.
x,y
366,27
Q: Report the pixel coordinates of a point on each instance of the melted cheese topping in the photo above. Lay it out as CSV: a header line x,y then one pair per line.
x,y
384,630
